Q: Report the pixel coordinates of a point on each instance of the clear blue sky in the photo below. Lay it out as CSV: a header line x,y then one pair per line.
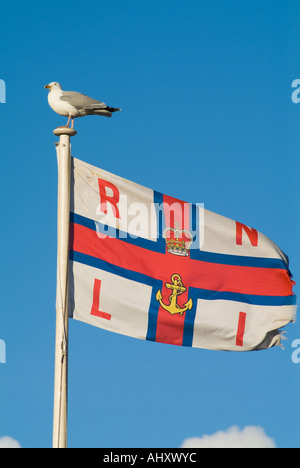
x,y
205,88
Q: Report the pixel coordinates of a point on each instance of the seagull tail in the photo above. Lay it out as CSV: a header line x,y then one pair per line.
x,y
106,111
113,109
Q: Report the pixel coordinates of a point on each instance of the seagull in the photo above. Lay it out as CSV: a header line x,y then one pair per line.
x,y
72,104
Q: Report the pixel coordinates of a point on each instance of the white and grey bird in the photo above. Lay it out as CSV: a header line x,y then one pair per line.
x,y
72,104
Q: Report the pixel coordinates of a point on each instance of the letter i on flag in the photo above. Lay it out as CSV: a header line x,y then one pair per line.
x,y
156,268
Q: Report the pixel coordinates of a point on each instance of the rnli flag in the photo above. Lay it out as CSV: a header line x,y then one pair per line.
x,y
147,265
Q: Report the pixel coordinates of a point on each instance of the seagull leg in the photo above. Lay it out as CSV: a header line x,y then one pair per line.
x,y
68,123
72,126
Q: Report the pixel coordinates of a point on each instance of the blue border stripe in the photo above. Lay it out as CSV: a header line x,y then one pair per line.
x,y
188,331
110,268
82,221
236,260
209,295
153,314
152,245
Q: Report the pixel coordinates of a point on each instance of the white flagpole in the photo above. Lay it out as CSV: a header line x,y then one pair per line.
x,y
62,293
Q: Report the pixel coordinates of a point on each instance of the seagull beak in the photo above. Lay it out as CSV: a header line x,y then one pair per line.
x,y
47,86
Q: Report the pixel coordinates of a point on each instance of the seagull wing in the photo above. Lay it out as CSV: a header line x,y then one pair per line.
x,y
81,101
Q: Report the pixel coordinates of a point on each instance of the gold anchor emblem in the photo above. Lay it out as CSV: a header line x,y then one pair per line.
x,y
177,288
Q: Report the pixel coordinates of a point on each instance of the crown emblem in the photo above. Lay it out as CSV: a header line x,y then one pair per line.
x,y
178,240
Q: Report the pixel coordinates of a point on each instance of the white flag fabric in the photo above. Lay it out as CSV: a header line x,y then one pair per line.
x,y
150,266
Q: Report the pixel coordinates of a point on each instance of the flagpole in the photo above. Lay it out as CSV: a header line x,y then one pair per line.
x,y
62,293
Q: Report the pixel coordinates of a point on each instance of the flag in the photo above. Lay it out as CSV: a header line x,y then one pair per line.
x,y
149,266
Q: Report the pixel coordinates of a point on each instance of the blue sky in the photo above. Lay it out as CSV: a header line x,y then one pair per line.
x,y
205,88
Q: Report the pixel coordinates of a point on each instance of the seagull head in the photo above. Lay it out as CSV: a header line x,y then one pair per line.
x,y
54,86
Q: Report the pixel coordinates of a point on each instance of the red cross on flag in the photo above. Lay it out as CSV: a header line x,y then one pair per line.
x,y
152,267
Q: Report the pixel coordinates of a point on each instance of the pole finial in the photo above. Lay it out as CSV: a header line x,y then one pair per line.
x,y
64,131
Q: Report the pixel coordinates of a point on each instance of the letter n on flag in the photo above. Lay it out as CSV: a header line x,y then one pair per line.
x,y
149,266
